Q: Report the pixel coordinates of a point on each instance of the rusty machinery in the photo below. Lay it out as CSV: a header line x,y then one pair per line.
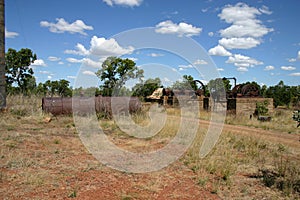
x,y
201,91
242,90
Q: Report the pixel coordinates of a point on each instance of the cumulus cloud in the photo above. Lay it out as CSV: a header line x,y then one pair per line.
x,y
239,43
86,61
292,59
288,68
210,34
269,68
39,62
245,30
79,50
298,55
181,29
243,62
219,51
9,34
130,3
101,47
62,26
108,47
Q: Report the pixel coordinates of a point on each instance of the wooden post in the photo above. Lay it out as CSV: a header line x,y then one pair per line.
x,y
2,58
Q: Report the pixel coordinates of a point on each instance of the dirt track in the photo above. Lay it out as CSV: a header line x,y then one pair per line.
x,y
48,161
291,140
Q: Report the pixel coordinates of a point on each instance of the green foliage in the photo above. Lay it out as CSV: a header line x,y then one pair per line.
x,y
147,87
282,94
186,84
87,92
115,72
18,70
261,108
52,88
219,85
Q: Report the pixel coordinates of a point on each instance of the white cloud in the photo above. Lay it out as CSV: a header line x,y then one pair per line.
x,y
210,34
49,77
295,74
265,10
200,62
62,26
71,77
181,29
288,68
219,51
242,69
39,62
292,60
9,34
86,61
239,43
108,47
130,3
60,63
220,69
74,60
44,72
80,50
101,47
155,54
183,67
298,55
90,73
269,68
243,62
53,58
245,28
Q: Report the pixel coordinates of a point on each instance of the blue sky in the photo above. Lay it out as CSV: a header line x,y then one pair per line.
x,y
250,40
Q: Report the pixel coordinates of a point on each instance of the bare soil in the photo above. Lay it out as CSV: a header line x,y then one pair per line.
x,y
46,160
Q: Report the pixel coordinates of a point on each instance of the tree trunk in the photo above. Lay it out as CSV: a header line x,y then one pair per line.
x,y
2,58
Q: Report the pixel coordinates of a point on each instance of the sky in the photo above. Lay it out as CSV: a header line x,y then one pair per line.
x,y
249,40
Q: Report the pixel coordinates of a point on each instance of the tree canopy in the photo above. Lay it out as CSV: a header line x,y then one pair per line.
x,y
18,70
115,72
147,87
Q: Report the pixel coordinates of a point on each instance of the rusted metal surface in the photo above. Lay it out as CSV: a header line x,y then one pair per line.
x,y
109,105
244,90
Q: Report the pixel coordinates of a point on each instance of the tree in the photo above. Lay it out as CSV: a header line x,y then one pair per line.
x,y
280,93
2,57
186,83
147,87
18,70
52,88
219,85
115,72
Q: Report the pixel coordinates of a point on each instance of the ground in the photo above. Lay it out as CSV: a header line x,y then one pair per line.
x,y
44,158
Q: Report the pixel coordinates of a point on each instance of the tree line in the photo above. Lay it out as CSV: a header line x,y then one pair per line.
x,y
114,73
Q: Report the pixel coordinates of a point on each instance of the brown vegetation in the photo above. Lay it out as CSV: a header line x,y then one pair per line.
x,y
42,157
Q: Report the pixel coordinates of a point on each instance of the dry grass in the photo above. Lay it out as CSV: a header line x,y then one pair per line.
x,y
281,121
239,167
